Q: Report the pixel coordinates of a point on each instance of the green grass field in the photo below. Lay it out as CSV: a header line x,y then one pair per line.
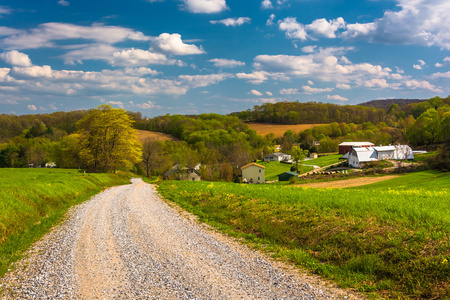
x,y
324,160
274,168
389,239
33,200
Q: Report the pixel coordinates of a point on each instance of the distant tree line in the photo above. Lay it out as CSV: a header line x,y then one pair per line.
x,y
325,113
219,144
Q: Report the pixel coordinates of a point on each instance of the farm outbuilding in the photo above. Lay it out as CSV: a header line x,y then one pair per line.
x,y
253,173
358,156
347,146
286,176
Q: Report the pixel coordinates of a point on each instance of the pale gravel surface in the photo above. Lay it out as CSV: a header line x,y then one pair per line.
x,y
126,243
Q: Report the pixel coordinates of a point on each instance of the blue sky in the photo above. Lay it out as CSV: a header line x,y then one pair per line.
x,y
222,56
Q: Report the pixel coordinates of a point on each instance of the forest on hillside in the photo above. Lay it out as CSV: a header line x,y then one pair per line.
x,y
221,144
322,113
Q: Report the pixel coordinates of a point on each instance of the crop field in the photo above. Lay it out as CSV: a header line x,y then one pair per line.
x,y
144,135
32,200
278,129
380,239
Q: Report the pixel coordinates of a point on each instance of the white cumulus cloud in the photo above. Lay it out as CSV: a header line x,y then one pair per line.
x,y
255,93
293,29
326,28
16,58
139,57
419,22
173,44
205,6
336,97
226,63
266,4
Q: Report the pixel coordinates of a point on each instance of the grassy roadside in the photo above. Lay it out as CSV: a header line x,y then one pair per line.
x,y
33,200
388,242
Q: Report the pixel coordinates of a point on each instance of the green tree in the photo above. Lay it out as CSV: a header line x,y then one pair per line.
x,y
426,129
108,140
298,155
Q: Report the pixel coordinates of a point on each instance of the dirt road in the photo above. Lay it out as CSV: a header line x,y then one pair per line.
x,y
126,243
348,182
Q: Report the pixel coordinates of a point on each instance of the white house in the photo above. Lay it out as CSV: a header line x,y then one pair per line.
x,y
277,157
359,156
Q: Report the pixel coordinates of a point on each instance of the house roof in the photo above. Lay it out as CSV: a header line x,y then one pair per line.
x,y
277,154
356,144
384,148
252,164
345,156
290,173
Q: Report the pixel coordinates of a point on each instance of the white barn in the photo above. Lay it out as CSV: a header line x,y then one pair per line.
x,y
358,156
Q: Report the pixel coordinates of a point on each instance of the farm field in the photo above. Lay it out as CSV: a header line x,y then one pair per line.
x,y
278,129
391,242
33,200
144,135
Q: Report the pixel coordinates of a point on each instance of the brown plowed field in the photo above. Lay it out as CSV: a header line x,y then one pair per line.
x,y
144,135
279,129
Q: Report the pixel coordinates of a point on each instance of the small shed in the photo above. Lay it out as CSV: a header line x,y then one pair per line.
x,y
253,173
286,176
313,155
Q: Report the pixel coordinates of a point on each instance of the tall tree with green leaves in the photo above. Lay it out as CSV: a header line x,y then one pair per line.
x,y
108,140
298,155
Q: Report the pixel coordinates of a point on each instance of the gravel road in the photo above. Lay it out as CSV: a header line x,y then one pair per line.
x,y
126,243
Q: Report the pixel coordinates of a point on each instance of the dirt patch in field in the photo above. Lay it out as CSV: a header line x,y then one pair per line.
x,y
278,129
348,182
144,135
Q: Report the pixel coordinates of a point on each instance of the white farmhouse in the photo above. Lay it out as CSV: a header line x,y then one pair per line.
x,y
277,157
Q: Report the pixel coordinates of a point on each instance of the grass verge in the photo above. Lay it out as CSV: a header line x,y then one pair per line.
x,y
33,200
389,242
